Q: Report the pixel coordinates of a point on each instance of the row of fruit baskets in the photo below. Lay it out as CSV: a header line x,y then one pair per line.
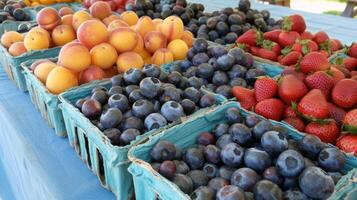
x,y
162,99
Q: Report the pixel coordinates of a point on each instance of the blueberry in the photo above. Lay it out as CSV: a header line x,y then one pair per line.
x,y
111,118
252,75
99,88
113,135
331,159
237,71
142,108
183,182
251,120
207,100
256,159
245,178
79,103
205,139
167,169
290,183
230,192
101,96
132,122
156,166
199,59
210,87
310,146
172,111
237,53
213,63
220,129
194,158
281,130
163,150
198,177
163,76
217,51
224,140
224,90
267,190
184,83
210,170
154,121
195,82
232,155
220,78
290,163
188,106
260,128
91,108
272,174
205,70
200,45
178,155
233,116
191,52
185,65
336,176
249,196
212,154
170,94
225,172
217,183
315,183
174,78
151,70
127,114
128,89
129,135
240,134
308,162
181,167
150,87
274,142
193,94
294,195
136,95
115,90
157,105
238,82
203,193
225,62
133,76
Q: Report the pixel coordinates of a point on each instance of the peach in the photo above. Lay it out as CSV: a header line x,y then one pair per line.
x,y
140,45
124,39
154,40
157,22
162,56
148,60
144,54
178,48
37,62
111,72
65,11
104,55
42,70
80,17
37,39
10,37
48,18
187,37
100,10
129,60
172,27
60,79
74,56
130,17
144,25
109,19
90,74
17,49
116,24
92,32
47,2
63,34
39,29
67,20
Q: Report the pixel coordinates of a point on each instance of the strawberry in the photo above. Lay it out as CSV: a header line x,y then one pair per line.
x,y
288,38
324,53
336,112
326,132
272,35
336,45
350,63
295,122
352,51
344,93
289,112
270,109
245,97
305,46
273,46
252,37
306,35
314,62
337,75
254,50
320,37
347,143
313,105
280,57
267,54
294,23
291,89
292,70
320,80
291,58
265,88
353,73
350,122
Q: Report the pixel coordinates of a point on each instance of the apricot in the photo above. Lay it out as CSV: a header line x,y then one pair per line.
x,y
124,39
129,60
37,39
47,2
37,62
92,32
74,56
42,70
45,32
157,22
109,19
144,54
80,17
172,27
130,17
10,37
178,48
90,74
65,11
17,49
60,79
154,40
104,55
148,60
116,24
63,34
187,37
100,9
48,18
162,56
144,25
67,20
111,72
140,45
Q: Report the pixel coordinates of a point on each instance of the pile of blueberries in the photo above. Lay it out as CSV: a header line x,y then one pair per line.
x,y
219,69
248,158
12,10
140,101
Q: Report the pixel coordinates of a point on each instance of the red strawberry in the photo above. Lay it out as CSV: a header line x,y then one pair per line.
x,y
292,70
270,108
325,53
289,112
273,46
306,35
313,105
314,62
254,50
344,94
305,46
350,122
295,122
280,57
291,89
294,23
320,80
288,38
321,37
347,143
336,112
267,54
352,51
272,35
265,88
252,37
245,97
336,45
337,75
350,63
353,73
326,132
291,58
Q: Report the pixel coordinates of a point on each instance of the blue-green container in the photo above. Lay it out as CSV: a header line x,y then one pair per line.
x,y
337,55
107,161
150,185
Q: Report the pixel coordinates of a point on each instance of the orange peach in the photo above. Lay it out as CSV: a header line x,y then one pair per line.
x,y
116,24
129,60
37,39
172,27
187,37
162,56
92,32
145,54
17,49
80,17
124,39
178,48
104,55
90,74
130,17
67,20
65,11
10,37
140,45
60,79
42,70
109,19
144,25
74,56
48,18
63,34
157,22
154,40
100,10
45,32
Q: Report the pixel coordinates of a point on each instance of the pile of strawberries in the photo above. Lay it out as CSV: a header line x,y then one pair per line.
x,y
314,97
289,44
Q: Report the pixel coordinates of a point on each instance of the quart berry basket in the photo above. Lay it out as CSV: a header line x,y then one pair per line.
x,y
150,185
107,161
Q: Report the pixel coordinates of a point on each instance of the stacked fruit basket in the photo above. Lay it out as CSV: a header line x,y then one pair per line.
x,y
174,102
